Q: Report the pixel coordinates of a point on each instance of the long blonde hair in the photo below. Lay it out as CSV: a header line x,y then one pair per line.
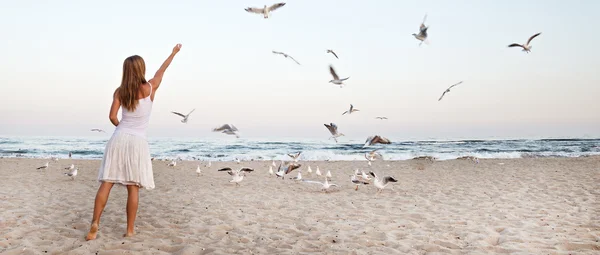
x,y
134,70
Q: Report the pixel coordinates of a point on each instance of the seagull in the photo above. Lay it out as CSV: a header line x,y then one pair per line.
x,y
270,170
526,47
237,160
97,130
298,177
380,184
286,56
172,164
336,79
318,172
326,185
43,167
198,170
333,129
331,51
209,164
273,163
376,139
237,175
422,36
309,170
354,179
72,174
365,176
265,10
328,175
228,129
71,167
288,168
185,117
372,156
448,90
351,110
381,118
295,156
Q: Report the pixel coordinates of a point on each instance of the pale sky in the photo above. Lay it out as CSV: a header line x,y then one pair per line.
x,y
61,61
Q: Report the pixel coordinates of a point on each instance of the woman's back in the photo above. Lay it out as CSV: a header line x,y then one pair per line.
x,y
136,122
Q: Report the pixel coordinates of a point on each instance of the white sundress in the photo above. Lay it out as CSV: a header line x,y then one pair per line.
x,y
126,158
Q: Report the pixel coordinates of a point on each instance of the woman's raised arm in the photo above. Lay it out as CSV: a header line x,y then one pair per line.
x,y
157,79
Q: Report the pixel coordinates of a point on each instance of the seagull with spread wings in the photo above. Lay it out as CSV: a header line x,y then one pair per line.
x,y
237,175
97,130
333,129
526,47
324,185
286,168
422,36
381,118
335,55
228,129
185,117
295,156
448,90
336,79
286,56
371,140
381,183
351,110
372,156
265,10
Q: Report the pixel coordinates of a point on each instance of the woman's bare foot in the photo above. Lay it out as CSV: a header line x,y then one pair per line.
x,y
129,234
93,232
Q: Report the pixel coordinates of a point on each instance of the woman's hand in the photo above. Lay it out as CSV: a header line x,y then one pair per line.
x,y
176,48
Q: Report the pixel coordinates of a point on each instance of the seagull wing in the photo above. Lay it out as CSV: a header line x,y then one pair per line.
x,y
516,45
442,95
291,167
331,128
293,59
336,56
345,113
276,6
246,169
225,169
384,140
373,174
455,84
389,179
255,10
222,128
278,52
191,112
369,141
531,38
351,107
176,113
332,71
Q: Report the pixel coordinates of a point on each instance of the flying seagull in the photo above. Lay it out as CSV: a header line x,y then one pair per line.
x,y
185,117
422,36
286,169
72,174
97,130
381,118
228,129
237,175
333,129
448,90
380,184
336,79
325,185
265,10
295,156
526,47
43,167
376,139
331,51
286,56
372,156
351,110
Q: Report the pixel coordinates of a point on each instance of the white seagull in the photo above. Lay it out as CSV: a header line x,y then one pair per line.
x,y
295,156
380,184
355,180
371,140
286,56
328,175
331,51
273,163
237,175
336,79
365,176
422,36
318,172
43,167
71,167
172,164
228,129
325,185
265,10
333,129
72,174
97,130
309,170
185,117
351,110
198,170
381,118
372,156
448,90
288,168
298,177
526,47
270,170
209,164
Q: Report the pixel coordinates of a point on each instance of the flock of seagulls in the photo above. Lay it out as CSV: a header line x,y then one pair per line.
x,y
72,169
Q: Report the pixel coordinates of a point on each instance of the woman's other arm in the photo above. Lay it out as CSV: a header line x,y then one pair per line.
x,y
114,109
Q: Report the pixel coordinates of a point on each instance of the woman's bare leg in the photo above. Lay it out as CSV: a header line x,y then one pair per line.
x,y
99,204
132,207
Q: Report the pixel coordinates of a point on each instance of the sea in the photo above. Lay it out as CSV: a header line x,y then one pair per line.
x,y
246,149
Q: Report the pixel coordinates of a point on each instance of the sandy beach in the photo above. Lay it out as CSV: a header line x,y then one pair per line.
x,y
499,206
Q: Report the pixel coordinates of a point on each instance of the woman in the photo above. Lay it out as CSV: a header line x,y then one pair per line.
x,y
126,157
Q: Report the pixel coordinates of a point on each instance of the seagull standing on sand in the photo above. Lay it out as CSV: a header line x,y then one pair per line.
x,y
97,130
328,175
172,164
265,10
422,36
318,172
325,185
298,177
351,110
185,117
295,156
270,170
228,129
380,184
371,140
331,51
237,175
372,156
448,90
333,129
43,167
309,170
286,56
355,180
198,170
526,47
273,163
72,174
336,79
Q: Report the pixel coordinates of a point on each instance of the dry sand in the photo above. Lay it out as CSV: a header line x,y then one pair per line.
x,y
521,206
